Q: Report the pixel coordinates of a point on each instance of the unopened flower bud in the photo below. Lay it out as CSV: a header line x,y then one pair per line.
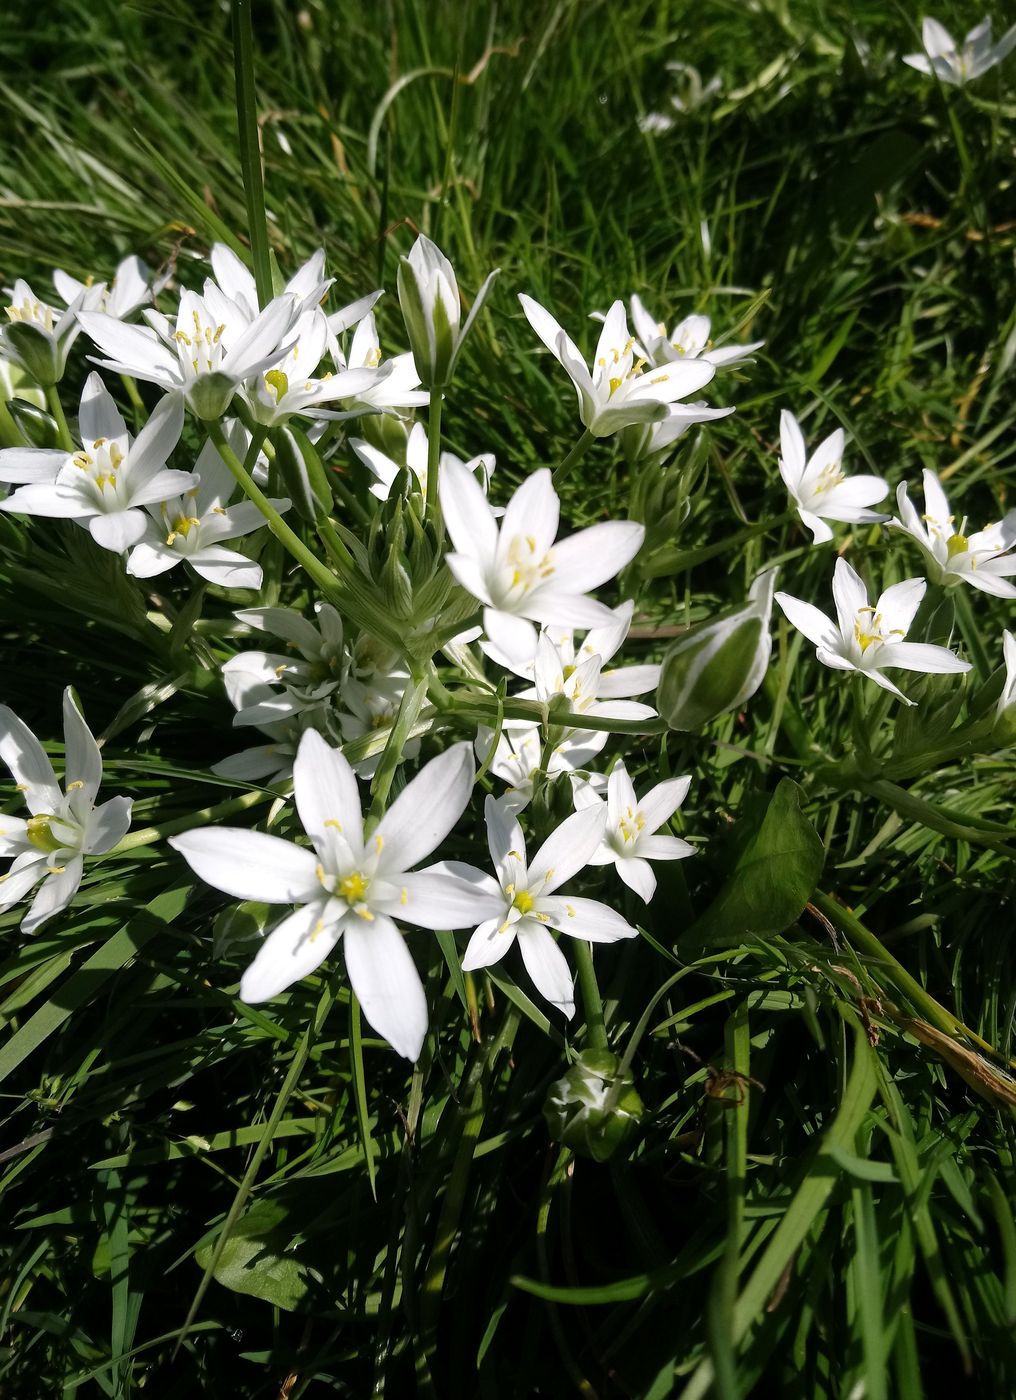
x,y
429,297
594,1107
303,474
717,666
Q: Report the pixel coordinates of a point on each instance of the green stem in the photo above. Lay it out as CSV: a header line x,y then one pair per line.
x,y
56,408
148,835
573,457
409,712
250,147
321,575
137,403
596,1031
433,450
250,1176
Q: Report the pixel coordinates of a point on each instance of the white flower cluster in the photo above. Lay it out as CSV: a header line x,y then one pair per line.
x,y
340,704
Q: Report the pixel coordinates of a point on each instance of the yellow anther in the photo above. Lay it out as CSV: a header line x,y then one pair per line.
x,y
55,869
318,928
379,842
330,821
72,787
404,896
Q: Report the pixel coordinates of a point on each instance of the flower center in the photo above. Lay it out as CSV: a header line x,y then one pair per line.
x,y
523,902
630,825
40,835
201,348
956,544
353,887
34,312
869,631
182,526
275,379
529,567
828,477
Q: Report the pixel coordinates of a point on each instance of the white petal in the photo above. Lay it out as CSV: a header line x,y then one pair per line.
x,y
467,513
426,810
487,945
21,751
293,950
547,966
148,559
384,977
225,568
920,656
30,464
661,802
533,512
108,824
567,849
17,882
809,620
55,893
585,918
82,760
638,875
592,556
434,899
118,531
250,864
664,848
98,415
327,797
898,605
849,595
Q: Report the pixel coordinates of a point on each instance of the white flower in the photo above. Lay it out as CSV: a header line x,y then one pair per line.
x,y
272,762
64,826
689,340
292,385
128,290
643,440
629,839
205,356
297,681
819,487
194,525
104,485
518,570
978,559
603,642
519,756
396,384
386,469
870,639
521,903
348,884
429,298
235,282
38,337
370,705
957,65
617,392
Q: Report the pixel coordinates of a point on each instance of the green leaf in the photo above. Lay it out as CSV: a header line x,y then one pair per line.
x,y
773,878
255,1260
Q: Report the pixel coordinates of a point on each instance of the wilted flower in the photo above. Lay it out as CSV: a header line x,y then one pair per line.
x,y
717,666
518,571
819,487
870,639
429,297
348,884
521,903
955,64
617,392
64,827
978,558
38,337
629,838
104,485
194,526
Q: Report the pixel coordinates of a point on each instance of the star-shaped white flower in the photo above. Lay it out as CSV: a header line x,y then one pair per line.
x,y
870,639
819,487
64,827
629,839
232,280
620,389
519,756
688,340
129,289
980,558
386,469
521,904
954,63
396,384
518,570
105,485
313,669
351,883
38,337
205,355
194,526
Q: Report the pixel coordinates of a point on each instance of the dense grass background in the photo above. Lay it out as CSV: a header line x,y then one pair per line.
x,y
872,214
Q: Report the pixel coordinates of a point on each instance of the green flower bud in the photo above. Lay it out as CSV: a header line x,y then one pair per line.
x,y
210,394
717,666
303,474
35,425
38,354
387,432
594,1107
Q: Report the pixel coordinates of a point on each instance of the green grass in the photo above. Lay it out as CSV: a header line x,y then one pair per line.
x,y
818,1202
